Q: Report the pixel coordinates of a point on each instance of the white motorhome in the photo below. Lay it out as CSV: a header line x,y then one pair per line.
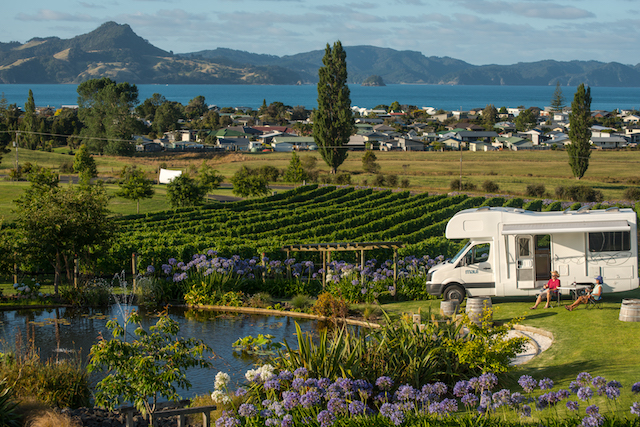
x,y
511,252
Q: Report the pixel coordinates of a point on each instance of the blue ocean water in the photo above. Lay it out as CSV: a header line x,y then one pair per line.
x,y
438,96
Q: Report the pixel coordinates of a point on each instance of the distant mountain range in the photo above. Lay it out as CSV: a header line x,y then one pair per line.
x,y
114,50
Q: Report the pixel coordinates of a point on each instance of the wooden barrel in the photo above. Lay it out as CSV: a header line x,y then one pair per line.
x,y
475,308
630,310
449,308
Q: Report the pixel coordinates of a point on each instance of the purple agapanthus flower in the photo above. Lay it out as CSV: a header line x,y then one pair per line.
x,y
585,393
384,383
635,409
357,407
546,384
573,405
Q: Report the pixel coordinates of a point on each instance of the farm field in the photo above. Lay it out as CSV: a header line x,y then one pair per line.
x,y
609,171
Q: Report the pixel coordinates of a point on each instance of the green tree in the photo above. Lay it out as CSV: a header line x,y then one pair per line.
x,y
57,224
295,172
557,100
395,106
247,183
134,185
489,116
580,131
185,191
83,162
151,366
30,125
209,177
166,117
105,108
526,120
369,162
196,108
333,120
147,110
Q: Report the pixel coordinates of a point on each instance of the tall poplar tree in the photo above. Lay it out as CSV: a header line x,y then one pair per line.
x,y
580,131
333,120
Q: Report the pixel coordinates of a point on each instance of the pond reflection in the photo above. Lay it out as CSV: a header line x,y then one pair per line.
x,y
60,333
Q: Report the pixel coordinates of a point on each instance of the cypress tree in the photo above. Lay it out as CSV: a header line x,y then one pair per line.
x,y
557,101
30,124
580,131
333,120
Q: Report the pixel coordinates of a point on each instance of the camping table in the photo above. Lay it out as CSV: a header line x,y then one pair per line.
x,y
574,291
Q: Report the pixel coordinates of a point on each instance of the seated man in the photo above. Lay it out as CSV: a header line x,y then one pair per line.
x,y
595,294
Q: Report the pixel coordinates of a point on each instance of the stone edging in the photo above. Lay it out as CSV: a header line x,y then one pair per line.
x,y
270,312
533,330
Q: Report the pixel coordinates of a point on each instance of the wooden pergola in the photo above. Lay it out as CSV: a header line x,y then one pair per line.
x,y
327,248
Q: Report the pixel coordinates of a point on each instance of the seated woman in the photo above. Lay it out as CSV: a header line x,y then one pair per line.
x,y
595,294
549,288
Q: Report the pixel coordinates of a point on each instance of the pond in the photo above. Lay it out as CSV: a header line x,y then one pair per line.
x,y
66,332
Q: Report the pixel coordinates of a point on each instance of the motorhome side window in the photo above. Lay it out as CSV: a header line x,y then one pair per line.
x,y
479,253
611,241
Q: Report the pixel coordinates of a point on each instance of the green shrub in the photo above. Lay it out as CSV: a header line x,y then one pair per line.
x,y
579,193
378,180
553,206
392,180
516,202
632,193
343,179
534,205
466,186
535,190
490,186
404,183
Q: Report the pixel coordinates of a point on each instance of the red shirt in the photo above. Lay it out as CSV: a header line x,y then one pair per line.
x,y
553,284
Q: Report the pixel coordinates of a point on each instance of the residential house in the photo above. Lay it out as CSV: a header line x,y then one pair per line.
x,y
632,134
356,143
451,143
515,143
149,146
408,144
481,146
609,142
233,144
468,135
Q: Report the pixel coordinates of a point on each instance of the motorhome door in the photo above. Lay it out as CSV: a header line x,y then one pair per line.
x,y
525,256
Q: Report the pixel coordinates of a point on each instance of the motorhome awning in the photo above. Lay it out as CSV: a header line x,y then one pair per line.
x,y
566,227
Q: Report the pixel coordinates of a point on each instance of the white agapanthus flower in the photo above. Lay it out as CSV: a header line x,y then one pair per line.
x,y
222,379
218,396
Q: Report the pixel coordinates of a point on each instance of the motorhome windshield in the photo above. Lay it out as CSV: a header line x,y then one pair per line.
x,y
459,254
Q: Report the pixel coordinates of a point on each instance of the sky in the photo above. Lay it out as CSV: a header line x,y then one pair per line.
x,y
479,32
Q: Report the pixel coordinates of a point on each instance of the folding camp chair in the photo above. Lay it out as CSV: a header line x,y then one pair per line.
x,y
597,303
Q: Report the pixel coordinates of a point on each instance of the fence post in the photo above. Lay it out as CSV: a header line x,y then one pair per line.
x,y
134,268
15,272
263,267
395,272
76,271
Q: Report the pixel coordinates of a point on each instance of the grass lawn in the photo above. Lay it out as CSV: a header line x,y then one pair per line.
x,y
591,340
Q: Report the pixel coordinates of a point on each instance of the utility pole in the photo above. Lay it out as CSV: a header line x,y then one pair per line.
x,y
15,144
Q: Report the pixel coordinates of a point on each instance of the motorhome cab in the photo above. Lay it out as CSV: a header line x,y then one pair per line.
x,y
512,252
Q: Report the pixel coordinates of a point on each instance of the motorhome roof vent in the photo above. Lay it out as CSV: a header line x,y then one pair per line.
x,y
612,209
484,208
584,208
